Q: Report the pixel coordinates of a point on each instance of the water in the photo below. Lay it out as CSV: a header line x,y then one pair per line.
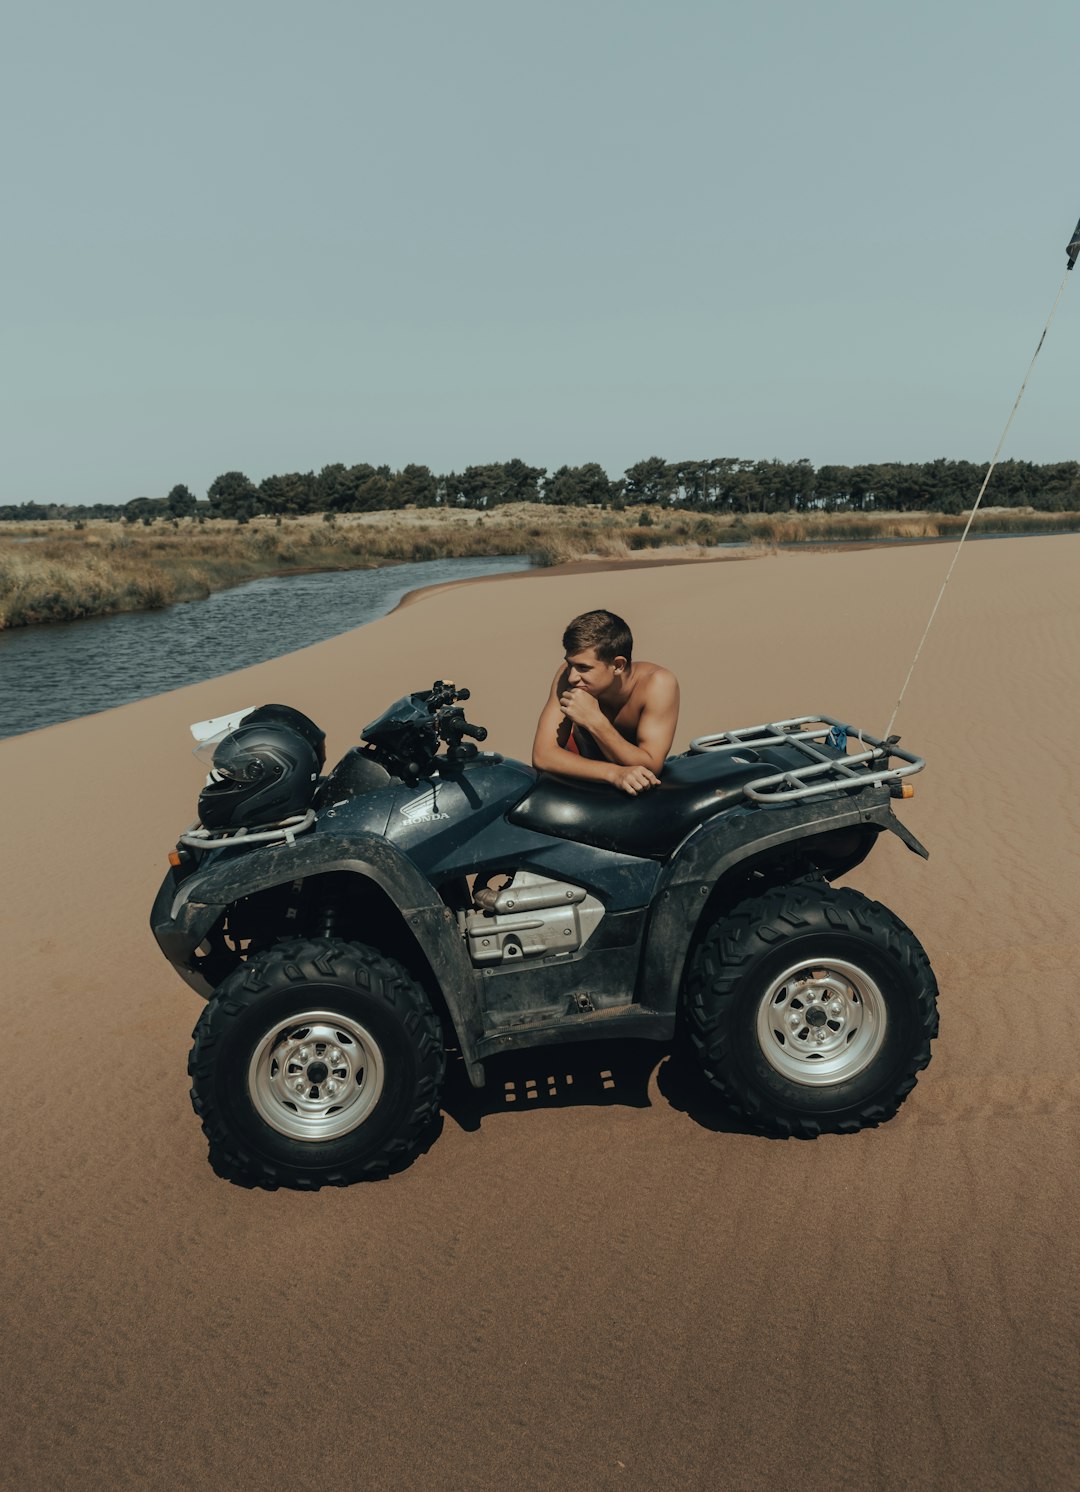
x,y
68,669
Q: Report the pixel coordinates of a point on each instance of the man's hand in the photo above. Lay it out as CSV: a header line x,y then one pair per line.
x,y
581,708
634,780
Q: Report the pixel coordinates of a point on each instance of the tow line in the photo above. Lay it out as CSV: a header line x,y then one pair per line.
x,y
1072,251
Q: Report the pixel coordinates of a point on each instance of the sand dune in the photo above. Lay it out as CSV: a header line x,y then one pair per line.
x,y
597,1283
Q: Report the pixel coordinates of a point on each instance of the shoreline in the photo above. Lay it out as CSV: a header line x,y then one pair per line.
x,y
77,576
657,559
598,566
76,670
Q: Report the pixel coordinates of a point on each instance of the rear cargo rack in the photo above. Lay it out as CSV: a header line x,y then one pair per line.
x,y
829,769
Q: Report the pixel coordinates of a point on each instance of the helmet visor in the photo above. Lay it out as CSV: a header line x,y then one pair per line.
x,y
209,734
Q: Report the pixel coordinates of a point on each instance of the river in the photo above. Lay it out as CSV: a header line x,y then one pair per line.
x,y
63,670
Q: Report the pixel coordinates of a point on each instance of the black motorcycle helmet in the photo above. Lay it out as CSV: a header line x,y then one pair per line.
x,y
265,772
286,715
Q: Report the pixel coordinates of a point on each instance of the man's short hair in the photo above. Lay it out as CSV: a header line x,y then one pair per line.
x,y
603,631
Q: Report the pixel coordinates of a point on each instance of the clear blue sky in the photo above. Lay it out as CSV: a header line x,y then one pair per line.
x,y
268,236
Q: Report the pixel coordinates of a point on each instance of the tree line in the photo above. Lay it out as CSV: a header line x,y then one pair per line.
x,y
723,484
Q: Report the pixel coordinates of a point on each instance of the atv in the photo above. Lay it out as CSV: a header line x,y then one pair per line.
x,y
349,929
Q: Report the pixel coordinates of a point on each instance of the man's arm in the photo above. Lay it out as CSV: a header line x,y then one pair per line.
x,y
549,753
655,728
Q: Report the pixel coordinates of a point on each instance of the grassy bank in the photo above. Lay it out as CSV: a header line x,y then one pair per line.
x,y
52,572
57,572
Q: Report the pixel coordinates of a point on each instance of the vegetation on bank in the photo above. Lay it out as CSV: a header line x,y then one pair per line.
x,y
722,485
58,571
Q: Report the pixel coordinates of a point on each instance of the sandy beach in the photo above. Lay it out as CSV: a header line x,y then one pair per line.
x,y
593,1277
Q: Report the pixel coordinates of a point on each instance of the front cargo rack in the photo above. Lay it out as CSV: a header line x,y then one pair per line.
x,y
283,832
829,769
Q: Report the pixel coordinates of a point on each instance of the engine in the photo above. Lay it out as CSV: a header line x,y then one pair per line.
x,y
530,917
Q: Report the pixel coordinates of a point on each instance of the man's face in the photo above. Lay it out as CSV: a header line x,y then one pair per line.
x,y
586,671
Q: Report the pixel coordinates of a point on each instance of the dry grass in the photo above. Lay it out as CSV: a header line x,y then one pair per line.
x,y
55,572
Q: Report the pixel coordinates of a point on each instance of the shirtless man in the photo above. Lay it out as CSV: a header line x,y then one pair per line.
x,y
607,719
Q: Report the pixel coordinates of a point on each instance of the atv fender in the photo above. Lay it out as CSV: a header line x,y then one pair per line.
x,y
184,914
686,887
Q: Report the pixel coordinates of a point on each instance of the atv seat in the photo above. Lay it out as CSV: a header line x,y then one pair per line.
x,y
692,789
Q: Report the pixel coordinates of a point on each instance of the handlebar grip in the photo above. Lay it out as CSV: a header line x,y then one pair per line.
x,y
462,693
478,732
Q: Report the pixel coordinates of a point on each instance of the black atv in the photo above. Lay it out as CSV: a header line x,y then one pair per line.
x,y
426,895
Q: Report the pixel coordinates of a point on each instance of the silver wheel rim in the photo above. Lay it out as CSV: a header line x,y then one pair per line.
x,y
316,1076
821,1023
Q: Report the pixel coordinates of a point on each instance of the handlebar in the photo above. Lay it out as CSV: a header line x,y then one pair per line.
x,y
443,693
405,739
453,725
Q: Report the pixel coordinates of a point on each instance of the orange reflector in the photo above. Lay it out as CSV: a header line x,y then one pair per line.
x,y
174,858
907,790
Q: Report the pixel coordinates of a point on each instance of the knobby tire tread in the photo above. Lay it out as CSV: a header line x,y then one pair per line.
x,y
295,962
728,952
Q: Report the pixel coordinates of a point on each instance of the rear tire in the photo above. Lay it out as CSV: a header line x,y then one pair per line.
x,y
316,1063
811,1010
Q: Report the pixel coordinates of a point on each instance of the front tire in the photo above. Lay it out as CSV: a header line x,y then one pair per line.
x,y
315,1063
812,1010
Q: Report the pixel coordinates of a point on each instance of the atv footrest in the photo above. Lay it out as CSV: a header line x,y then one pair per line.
x,y
590,1025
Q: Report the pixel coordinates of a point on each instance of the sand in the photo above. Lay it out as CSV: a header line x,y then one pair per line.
x,y
597,1283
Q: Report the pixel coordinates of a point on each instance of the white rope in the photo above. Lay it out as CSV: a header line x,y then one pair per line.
x,y
975,509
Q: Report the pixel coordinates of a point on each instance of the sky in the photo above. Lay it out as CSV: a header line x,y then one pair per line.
x,y
249,235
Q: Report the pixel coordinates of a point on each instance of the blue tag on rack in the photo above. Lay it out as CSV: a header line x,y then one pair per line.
x,y
837,738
